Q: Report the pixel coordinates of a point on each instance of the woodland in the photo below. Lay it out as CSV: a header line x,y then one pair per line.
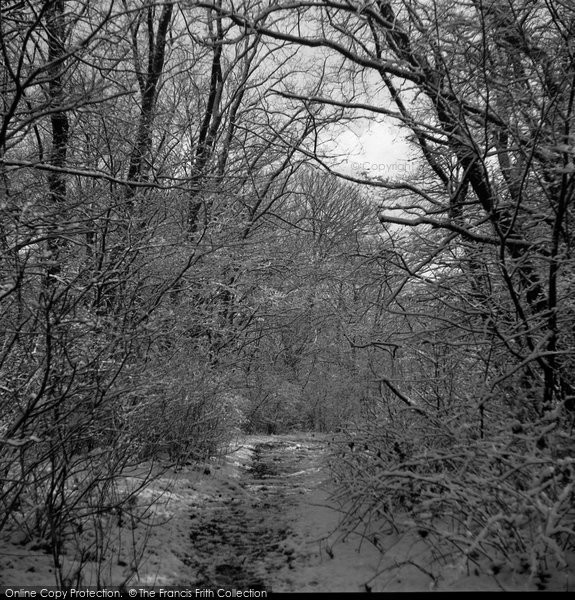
x,y
185,254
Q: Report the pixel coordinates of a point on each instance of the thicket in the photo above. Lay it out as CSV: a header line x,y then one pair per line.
x,y
184,255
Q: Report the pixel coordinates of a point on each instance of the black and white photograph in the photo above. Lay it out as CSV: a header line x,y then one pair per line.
x,y
287,297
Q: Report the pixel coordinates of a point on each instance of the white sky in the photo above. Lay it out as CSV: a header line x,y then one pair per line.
x,y
373,148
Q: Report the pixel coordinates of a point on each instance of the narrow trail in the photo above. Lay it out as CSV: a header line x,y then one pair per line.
x,y
264,519
256,535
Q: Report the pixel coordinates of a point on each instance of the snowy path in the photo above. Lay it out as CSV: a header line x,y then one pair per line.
x,y
258,533
274,527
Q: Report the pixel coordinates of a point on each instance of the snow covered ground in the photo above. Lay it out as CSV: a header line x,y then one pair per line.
x,y
258,518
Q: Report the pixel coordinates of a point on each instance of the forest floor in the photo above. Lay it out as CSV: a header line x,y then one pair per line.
x,y
261,518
